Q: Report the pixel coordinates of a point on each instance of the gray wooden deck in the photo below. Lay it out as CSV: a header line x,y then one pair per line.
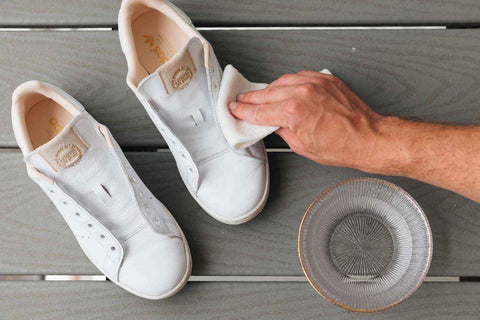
x,y
251,12
433,75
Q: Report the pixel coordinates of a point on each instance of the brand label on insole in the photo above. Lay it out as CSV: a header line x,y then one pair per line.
x,y
65,151
178,72
150,42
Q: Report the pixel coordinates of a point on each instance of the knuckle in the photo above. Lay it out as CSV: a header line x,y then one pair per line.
x,y
306,89
323,82
292,107
287,76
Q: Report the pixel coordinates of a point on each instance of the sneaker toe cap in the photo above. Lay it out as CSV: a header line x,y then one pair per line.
x,y
157,269
234,189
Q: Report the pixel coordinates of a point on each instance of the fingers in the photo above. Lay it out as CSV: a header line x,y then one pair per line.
x,y
304,76
270,114
282,88
267,95
291,80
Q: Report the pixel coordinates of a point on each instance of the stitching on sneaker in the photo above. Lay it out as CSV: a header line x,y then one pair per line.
x,y
214,156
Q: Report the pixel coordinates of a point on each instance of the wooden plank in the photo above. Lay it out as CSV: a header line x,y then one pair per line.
x,y
30,226
222,301
89,66
208,12
430,75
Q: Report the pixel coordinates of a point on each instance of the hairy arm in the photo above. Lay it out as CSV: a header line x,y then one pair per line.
x,y
442,155
322,119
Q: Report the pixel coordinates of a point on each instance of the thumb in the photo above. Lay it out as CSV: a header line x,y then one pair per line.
x,y
290,137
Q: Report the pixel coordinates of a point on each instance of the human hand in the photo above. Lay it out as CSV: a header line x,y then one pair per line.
x,y
319,118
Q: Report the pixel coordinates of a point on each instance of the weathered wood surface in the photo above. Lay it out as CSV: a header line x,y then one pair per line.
x,y
199,301
250,12
430,75
30,226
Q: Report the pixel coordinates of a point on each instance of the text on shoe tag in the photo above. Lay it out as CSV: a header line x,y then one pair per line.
x,y
178,72
65,151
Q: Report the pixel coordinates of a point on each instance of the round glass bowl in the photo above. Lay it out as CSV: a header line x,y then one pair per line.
x,y
365,245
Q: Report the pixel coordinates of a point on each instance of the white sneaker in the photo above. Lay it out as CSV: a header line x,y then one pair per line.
x,y
174,72
122,228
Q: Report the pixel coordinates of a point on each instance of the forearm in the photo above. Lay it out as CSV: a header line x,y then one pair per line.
x,y
443,155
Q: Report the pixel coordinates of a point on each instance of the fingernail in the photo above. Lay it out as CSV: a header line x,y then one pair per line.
x,y
232,105
240,96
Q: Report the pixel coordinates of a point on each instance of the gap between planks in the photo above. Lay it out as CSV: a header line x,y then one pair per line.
x,y
253,28
102,278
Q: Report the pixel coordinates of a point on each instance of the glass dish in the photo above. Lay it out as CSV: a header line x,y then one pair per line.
x,y
365,245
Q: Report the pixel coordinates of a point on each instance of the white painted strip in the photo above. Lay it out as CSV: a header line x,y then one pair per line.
x,y
55,29
287,279
324,28
247,279
51,277
317,28
65,277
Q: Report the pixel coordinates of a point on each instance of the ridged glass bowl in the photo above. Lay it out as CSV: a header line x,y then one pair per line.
x,y
365,245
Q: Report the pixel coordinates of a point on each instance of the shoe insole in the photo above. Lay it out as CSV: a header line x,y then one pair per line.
x,y
45,120
157,39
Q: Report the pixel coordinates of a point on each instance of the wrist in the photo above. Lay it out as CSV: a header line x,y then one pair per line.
x,y
392,147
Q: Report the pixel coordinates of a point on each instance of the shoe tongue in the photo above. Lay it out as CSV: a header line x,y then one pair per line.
x,y
188,110
176,73
65,150
75,148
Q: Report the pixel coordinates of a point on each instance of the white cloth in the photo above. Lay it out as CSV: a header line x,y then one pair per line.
x,y
239,133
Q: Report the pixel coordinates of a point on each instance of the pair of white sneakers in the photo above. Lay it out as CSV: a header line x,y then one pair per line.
x,y
120,225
